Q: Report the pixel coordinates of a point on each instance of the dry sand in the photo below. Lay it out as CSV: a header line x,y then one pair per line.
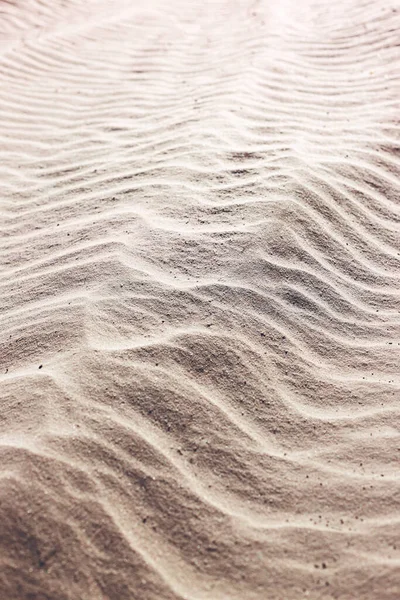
x,y
200,300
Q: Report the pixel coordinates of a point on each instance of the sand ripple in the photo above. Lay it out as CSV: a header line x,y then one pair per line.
x,y
200,293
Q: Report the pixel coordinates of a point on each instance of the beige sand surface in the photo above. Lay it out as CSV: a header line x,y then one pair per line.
x,y
200,300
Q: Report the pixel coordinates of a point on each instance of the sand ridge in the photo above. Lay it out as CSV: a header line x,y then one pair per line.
x,y
200,300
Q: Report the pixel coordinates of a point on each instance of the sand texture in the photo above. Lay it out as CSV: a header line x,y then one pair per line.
x,y
200,300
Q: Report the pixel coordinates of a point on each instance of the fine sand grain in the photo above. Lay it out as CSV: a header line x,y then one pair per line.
x,y
200,300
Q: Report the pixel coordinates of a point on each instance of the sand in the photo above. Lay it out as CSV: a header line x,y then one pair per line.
x,y
200,300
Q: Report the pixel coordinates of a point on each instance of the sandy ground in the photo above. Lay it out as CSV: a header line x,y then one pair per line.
x,y
200,300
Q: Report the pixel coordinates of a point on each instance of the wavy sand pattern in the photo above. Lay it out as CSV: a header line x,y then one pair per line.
x,y
200,292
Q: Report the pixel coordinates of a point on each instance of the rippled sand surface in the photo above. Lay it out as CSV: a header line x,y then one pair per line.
x,y
200,300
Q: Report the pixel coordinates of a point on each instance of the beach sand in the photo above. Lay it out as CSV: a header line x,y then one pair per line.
x,y
200,300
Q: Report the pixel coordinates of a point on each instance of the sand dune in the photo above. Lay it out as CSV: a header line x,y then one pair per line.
x,y
200,293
